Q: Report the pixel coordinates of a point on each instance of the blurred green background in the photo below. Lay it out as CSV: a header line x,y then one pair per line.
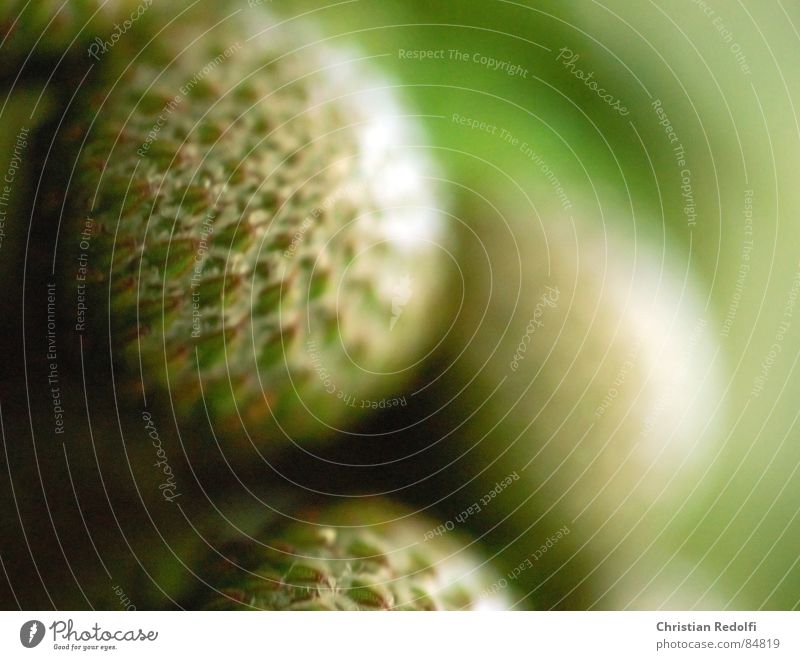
x,y
488,78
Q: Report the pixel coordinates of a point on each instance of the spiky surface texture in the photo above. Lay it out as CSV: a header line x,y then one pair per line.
x,y
383,563
254,212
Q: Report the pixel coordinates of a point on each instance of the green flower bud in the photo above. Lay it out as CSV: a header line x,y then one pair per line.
x,y
352,556
263,228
